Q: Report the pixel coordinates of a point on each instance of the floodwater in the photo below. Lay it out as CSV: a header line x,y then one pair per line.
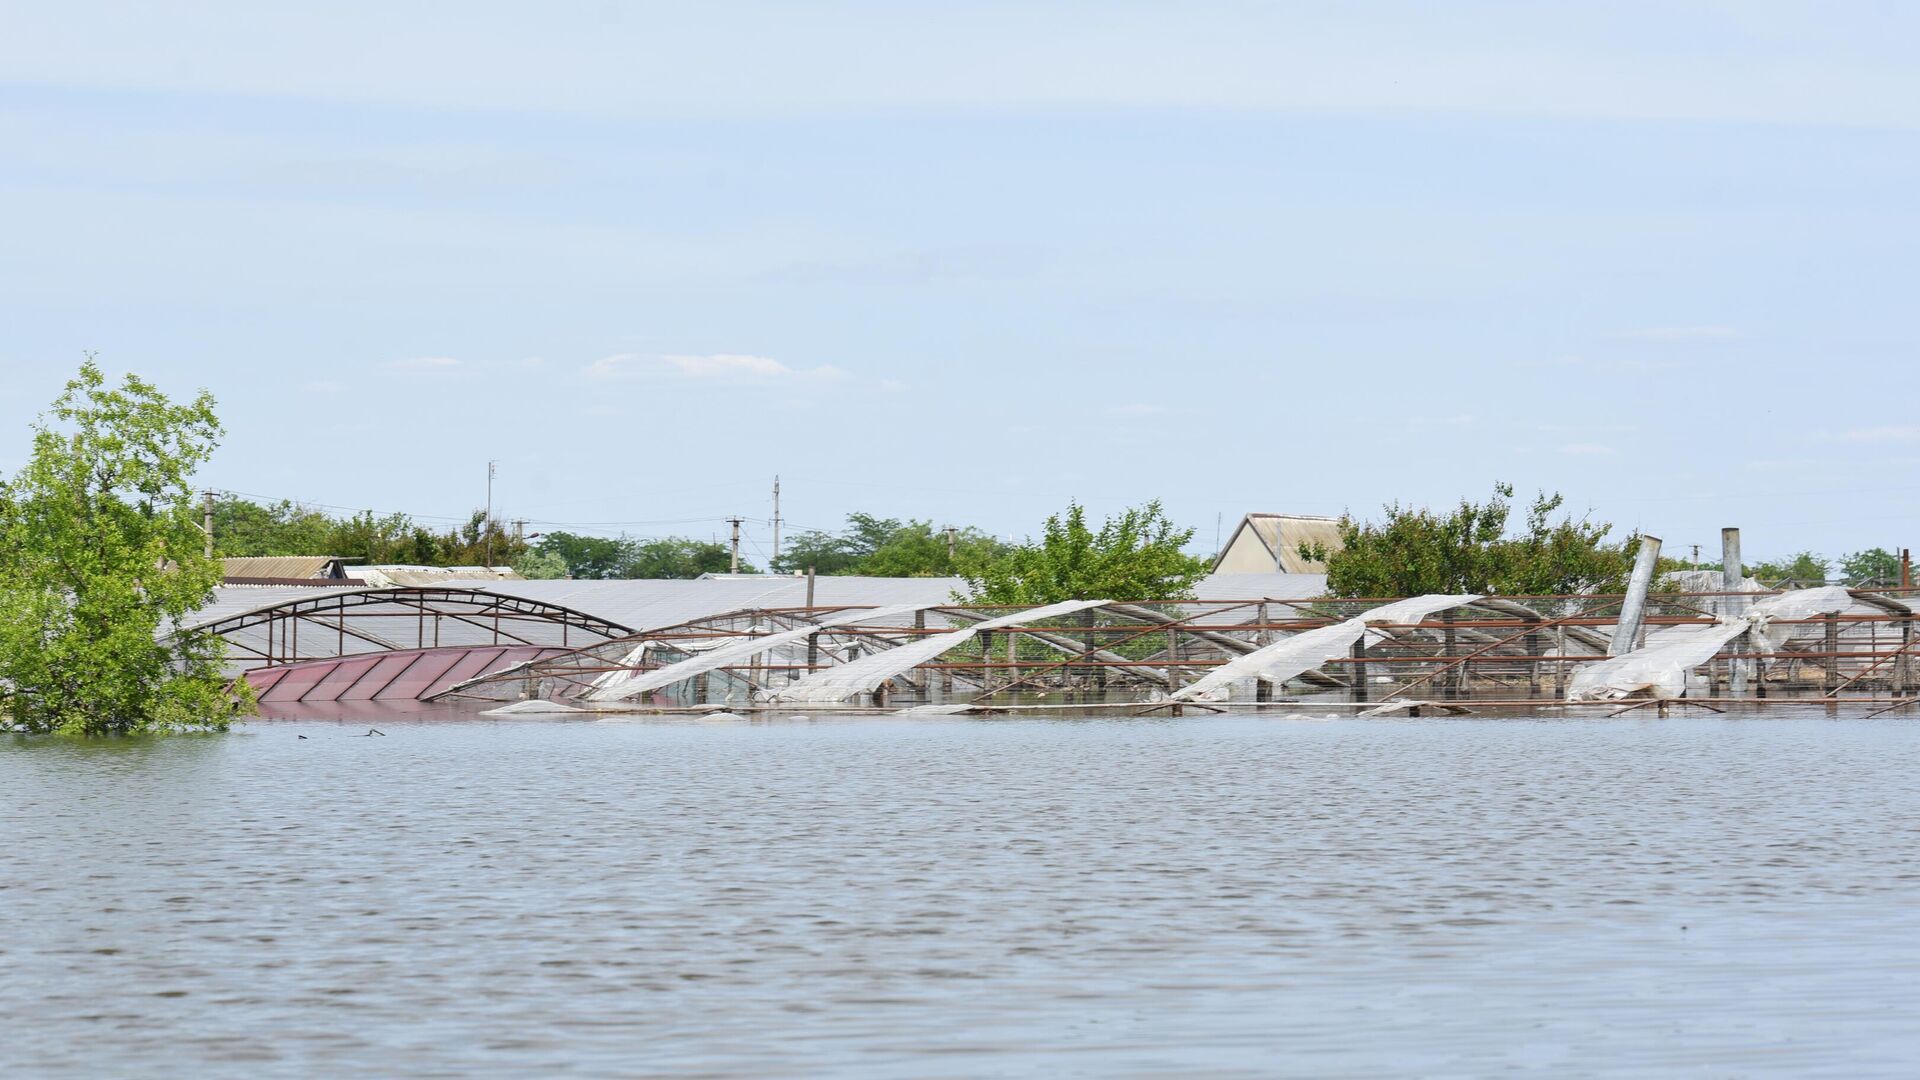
x,y
1199,897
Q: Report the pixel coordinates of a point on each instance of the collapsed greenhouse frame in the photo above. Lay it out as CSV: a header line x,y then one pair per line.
x,y
1708,648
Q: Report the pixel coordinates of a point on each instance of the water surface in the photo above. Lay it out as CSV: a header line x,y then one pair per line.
x,y
953,897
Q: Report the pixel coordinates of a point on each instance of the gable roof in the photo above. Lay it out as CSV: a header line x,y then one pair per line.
x,y
282,566
1281,535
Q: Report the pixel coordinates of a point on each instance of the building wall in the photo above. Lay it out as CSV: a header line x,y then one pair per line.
x,y
1245,554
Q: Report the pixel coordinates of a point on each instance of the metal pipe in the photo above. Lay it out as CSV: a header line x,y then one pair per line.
x,y
1633,610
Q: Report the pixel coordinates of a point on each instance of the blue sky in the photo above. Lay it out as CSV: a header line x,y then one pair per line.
x,y
965,261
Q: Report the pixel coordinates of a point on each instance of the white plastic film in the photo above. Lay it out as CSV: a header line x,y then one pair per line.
x,y
1309,649
627,684
1662,665
867,673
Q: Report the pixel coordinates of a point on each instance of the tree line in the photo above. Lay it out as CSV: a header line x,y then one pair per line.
x,y
1475,547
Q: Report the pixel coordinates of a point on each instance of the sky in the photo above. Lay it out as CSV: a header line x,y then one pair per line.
x,y
965,262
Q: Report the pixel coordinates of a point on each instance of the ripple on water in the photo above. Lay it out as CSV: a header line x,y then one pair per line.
x,y
941,897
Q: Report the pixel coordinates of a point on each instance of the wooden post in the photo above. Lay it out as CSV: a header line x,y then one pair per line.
x,y
1831,665
1533,665
986,660
1901,670
1560,665
1359,667
1449,637
1173,659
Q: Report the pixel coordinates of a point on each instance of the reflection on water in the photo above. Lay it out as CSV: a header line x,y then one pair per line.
x,y
1219,897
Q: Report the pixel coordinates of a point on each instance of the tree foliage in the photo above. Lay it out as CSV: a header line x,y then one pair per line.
x,y
1801,568
597,557
101,560
1135,555
540,566
243,528
1872,568
886,547
1415,551
678,557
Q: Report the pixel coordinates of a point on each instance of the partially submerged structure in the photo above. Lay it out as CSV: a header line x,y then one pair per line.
x,y
783,643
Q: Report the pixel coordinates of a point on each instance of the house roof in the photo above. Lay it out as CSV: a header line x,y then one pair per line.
x,y
280,566
407,576
1282,535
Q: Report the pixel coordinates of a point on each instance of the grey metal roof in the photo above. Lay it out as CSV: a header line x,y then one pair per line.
x,y
651,603
1283,534
1260,587
399,575
278,566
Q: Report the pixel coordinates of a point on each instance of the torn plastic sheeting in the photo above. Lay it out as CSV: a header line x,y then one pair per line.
x,y
729,655
1309,649
868,672
1662,665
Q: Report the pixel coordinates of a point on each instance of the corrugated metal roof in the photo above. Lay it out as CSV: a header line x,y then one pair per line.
x,y
279,566
655,602
1294,586
389,576
1283,534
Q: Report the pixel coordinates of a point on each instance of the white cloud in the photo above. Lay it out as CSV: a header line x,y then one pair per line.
x,y
893,386
1586,449
1583,429
1136,409
1683,333
1770,63
735,367
721,365
441,364
1886,433
1457,420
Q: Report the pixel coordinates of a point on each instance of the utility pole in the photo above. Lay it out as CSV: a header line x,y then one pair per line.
x,y
486,525
734,567
208,527
950,531
776,524
519,530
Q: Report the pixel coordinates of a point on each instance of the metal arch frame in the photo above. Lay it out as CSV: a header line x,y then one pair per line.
x,y
482,608
581,663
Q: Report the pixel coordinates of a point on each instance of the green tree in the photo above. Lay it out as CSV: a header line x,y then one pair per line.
x,y
242,527
1136,555
885,547
365,538
101,562
481,539
1874,567
1467,550
1801,568
589,557
678,557
540,565
917,549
